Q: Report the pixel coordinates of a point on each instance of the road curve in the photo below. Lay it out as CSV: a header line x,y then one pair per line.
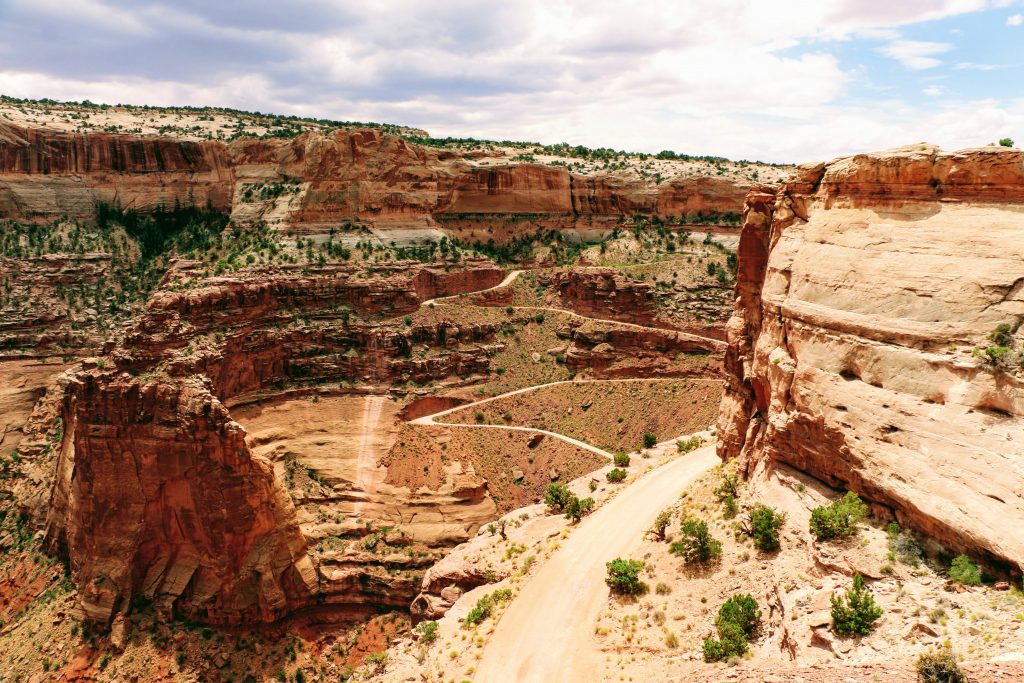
x,y
511,277
545,634
427,420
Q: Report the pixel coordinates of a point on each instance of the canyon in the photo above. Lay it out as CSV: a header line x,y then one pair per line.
x,y
307,389
867,293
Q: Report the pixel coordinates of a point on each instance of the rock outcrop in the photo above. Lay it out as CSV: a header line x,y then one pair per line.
x,y
158,493
867,295
314,181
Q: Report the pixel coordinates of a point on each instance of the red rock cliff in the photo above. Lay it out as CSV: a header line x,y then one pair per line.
x,y
864,286
359,174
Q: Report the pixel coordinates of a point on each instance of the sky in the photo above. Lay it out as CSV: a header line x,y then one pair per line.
x,y
784,81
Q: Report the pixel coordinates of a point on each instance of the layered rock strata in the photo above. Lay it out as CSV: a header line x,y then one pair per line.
x,y
862,350
315,181
159,494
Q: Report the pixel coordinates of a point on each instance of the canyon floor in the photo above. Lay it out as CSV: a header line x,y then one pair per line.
x,y
296,400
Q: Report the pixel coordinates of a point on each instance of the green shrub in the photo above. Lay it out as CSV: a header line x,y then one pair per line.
x,y
621,459
576,508
1002,335
557,496
736,622
661,523
940,667
697,545
376,661
729,507
616,475
964,572
484,607
856,612
427,631
729,488
839,519
741,610
765,523
1006,142
624,576
650,440
687,445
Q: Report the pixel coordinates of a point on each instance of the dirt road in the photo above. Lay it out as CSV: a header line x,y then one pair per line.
x,y
545,635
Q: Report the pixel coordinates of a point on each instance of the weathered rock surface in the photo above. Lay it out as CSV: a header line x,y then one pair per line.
x,y
863,286
605,293
159,494
315,180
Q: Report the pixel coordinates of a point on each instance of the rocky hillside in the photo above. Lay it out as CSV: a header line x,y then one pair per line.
x,y
876,340
318,179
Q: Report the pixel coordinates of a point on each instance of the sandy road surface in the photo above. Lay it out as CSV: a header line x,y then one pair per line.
x,y
545,635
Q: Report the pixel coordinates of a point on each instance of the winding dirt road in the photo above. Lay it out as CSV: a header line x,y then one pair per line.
x,y
511,277
427,420
545,635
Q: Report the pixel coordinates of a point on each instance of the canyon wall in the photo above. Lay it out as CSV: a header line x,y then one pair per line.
x,y
315,181
160,494
861,349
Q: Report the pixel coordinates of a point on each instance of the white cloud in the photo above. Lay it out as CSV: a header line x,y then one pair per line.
x,y
916,54
731,77
933,90
1015,20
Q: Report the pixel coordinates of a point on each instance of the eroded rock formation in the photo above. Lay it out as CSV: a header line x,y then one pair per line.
x,y
868,291
159,494
317,180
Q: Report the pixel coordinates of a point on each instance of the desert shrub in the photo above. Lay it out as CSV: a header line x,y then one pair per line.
x,y
621,459
839,519
697,545
616,475
624,576
964,572
736,622
765,523
661,523
729,486
1006,142
940,667
576,508
903,547
484,607
671,640
376,661
687,445
727,492
557,496
1002,335
427,631
856,612
650,440
741,610
663,589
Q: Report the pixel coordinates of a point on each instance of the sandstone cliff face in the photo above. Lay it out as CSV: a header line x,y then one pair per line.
x,y
864,285
157,496
47,174
605,293
160,494
315,180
